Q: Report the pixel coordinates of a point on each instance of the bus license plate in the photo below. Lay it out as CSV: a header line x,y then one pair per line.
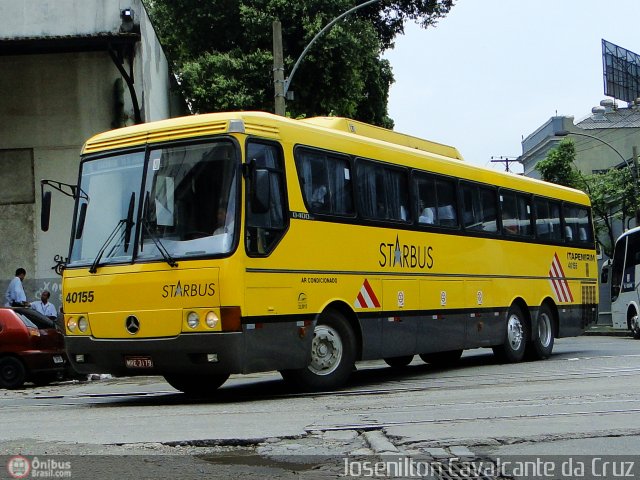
x,y
57,359
138,362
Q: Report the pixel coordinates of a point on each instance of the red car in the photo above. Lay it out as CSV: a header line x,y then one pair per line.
x,y
31,348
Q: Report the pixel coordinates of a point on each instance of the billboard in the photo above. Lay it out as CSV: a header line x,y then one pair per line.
x,y
621,69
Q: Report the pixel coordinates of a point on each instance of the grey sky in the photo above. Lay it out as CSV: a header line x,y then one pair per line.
x,y
493,71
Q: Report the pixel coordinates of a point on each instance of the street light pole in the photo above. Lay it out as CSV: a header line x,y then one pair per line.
x,y
281,93
634,171
278,69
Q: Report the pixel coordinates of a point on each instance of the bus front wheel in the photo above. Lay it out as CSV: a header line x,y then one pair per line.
x,y
516,337
333,352
197,385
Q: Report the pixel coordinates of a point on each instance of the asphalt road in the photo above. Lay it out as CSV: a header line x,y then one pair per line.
x,y
584,400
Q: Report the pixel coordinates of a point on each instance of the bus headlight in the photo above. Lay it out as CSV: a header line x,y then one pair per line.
x,y
83,324
72,324
212,320
193,320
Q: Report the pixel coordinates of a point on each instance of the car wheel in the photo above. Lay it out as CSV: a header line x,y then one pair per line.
x,y
399,362
197,385
333,353
12,373
516,337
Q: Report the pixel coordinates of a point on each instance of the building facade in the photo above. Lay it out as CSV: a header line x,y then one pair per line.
x,y
70,69
617,132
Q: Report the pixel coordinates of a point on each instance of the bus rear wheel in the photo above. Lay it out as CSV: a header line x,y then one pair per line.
x,y
516,337
197,385
333,353
399,362
542,346
442,358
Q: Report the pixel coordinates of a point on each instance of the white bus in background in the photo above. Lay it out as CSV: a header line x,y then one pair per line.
x,y
623,271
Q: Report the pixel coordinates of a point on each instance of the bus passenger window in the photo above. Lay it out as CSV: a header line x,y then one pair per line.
x,y
325,181
382,191
516,213
578,225
435,200
479,206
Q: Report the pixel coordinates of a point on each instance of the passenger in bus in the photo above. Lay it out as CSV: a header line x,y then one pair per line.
x,y
223,225
568,233
318,197
427,216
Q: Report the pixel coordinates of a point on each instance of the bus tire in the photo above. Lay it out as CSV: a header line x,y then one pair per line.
x,y
12,373
197,385
542,346
399,362
442,359
633,323
516,337
333,354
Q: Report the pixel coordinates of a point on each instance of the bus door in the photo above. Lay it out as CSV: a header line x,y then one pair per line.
x,y
624,279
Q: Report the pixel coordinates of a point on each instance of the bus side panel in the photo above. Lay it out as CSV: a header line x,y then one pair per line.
x,y
399,331
441,332
444,330
276,346
574,319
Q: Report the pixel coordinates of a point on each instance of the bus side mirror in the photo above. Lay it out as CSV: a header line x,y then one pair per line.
x,y
45,213
81,218
260,190
604,273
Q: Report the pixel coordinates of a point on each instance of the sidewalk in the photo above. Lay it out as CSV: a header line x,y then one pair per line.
x,y
607,330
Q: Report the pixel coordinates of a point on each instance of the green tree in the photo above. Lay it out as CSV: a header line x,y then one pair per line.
x,y
612,193
613,199
558,166
221,51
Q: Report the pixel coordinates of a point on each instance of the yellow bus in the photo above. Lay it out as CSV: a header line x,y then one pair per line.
x,y
241,242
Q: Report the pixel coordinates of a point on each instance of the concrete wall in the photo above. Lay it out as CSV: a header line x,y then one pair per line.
x,y
49,105
48,18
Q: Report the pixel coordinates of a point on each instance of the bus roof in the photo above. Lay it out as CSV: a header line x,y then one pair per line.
x,y
446,159
384,134
631,231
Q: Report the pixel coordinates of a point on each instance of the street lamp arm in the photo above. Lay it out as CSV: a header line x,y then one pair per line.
x,y
564,133
287,82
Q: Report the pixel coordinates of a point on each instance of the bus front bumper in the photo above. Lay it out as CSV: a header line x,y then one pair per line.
x,y
197,353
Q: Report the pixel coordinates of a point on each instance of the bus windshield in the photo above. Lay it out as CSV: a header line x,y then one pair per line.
x,y
188,205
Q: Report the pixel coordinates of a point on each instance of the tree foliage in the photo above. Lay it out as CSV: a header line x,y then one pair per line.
x,y
558,166
612,193
221,51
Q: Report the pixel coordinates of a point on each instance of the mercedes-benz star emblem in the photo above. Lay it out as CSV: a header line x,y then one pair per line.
x,y
132,324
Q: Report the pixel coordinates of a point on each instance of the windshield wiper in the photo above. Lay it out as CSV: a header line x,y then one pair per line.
x,y
156,241
128,225
103,248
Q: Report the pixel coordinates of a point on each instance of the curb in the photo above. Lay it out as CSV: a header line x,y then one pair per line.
x,y
607,332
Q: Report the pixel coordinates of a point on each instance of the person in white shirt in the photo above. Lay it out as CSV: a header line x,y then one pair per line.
x,y
45,307
15,296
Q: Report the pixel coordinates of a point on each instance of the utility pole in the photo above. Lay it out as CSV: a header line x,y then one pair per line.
x,y
278,69
504,160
